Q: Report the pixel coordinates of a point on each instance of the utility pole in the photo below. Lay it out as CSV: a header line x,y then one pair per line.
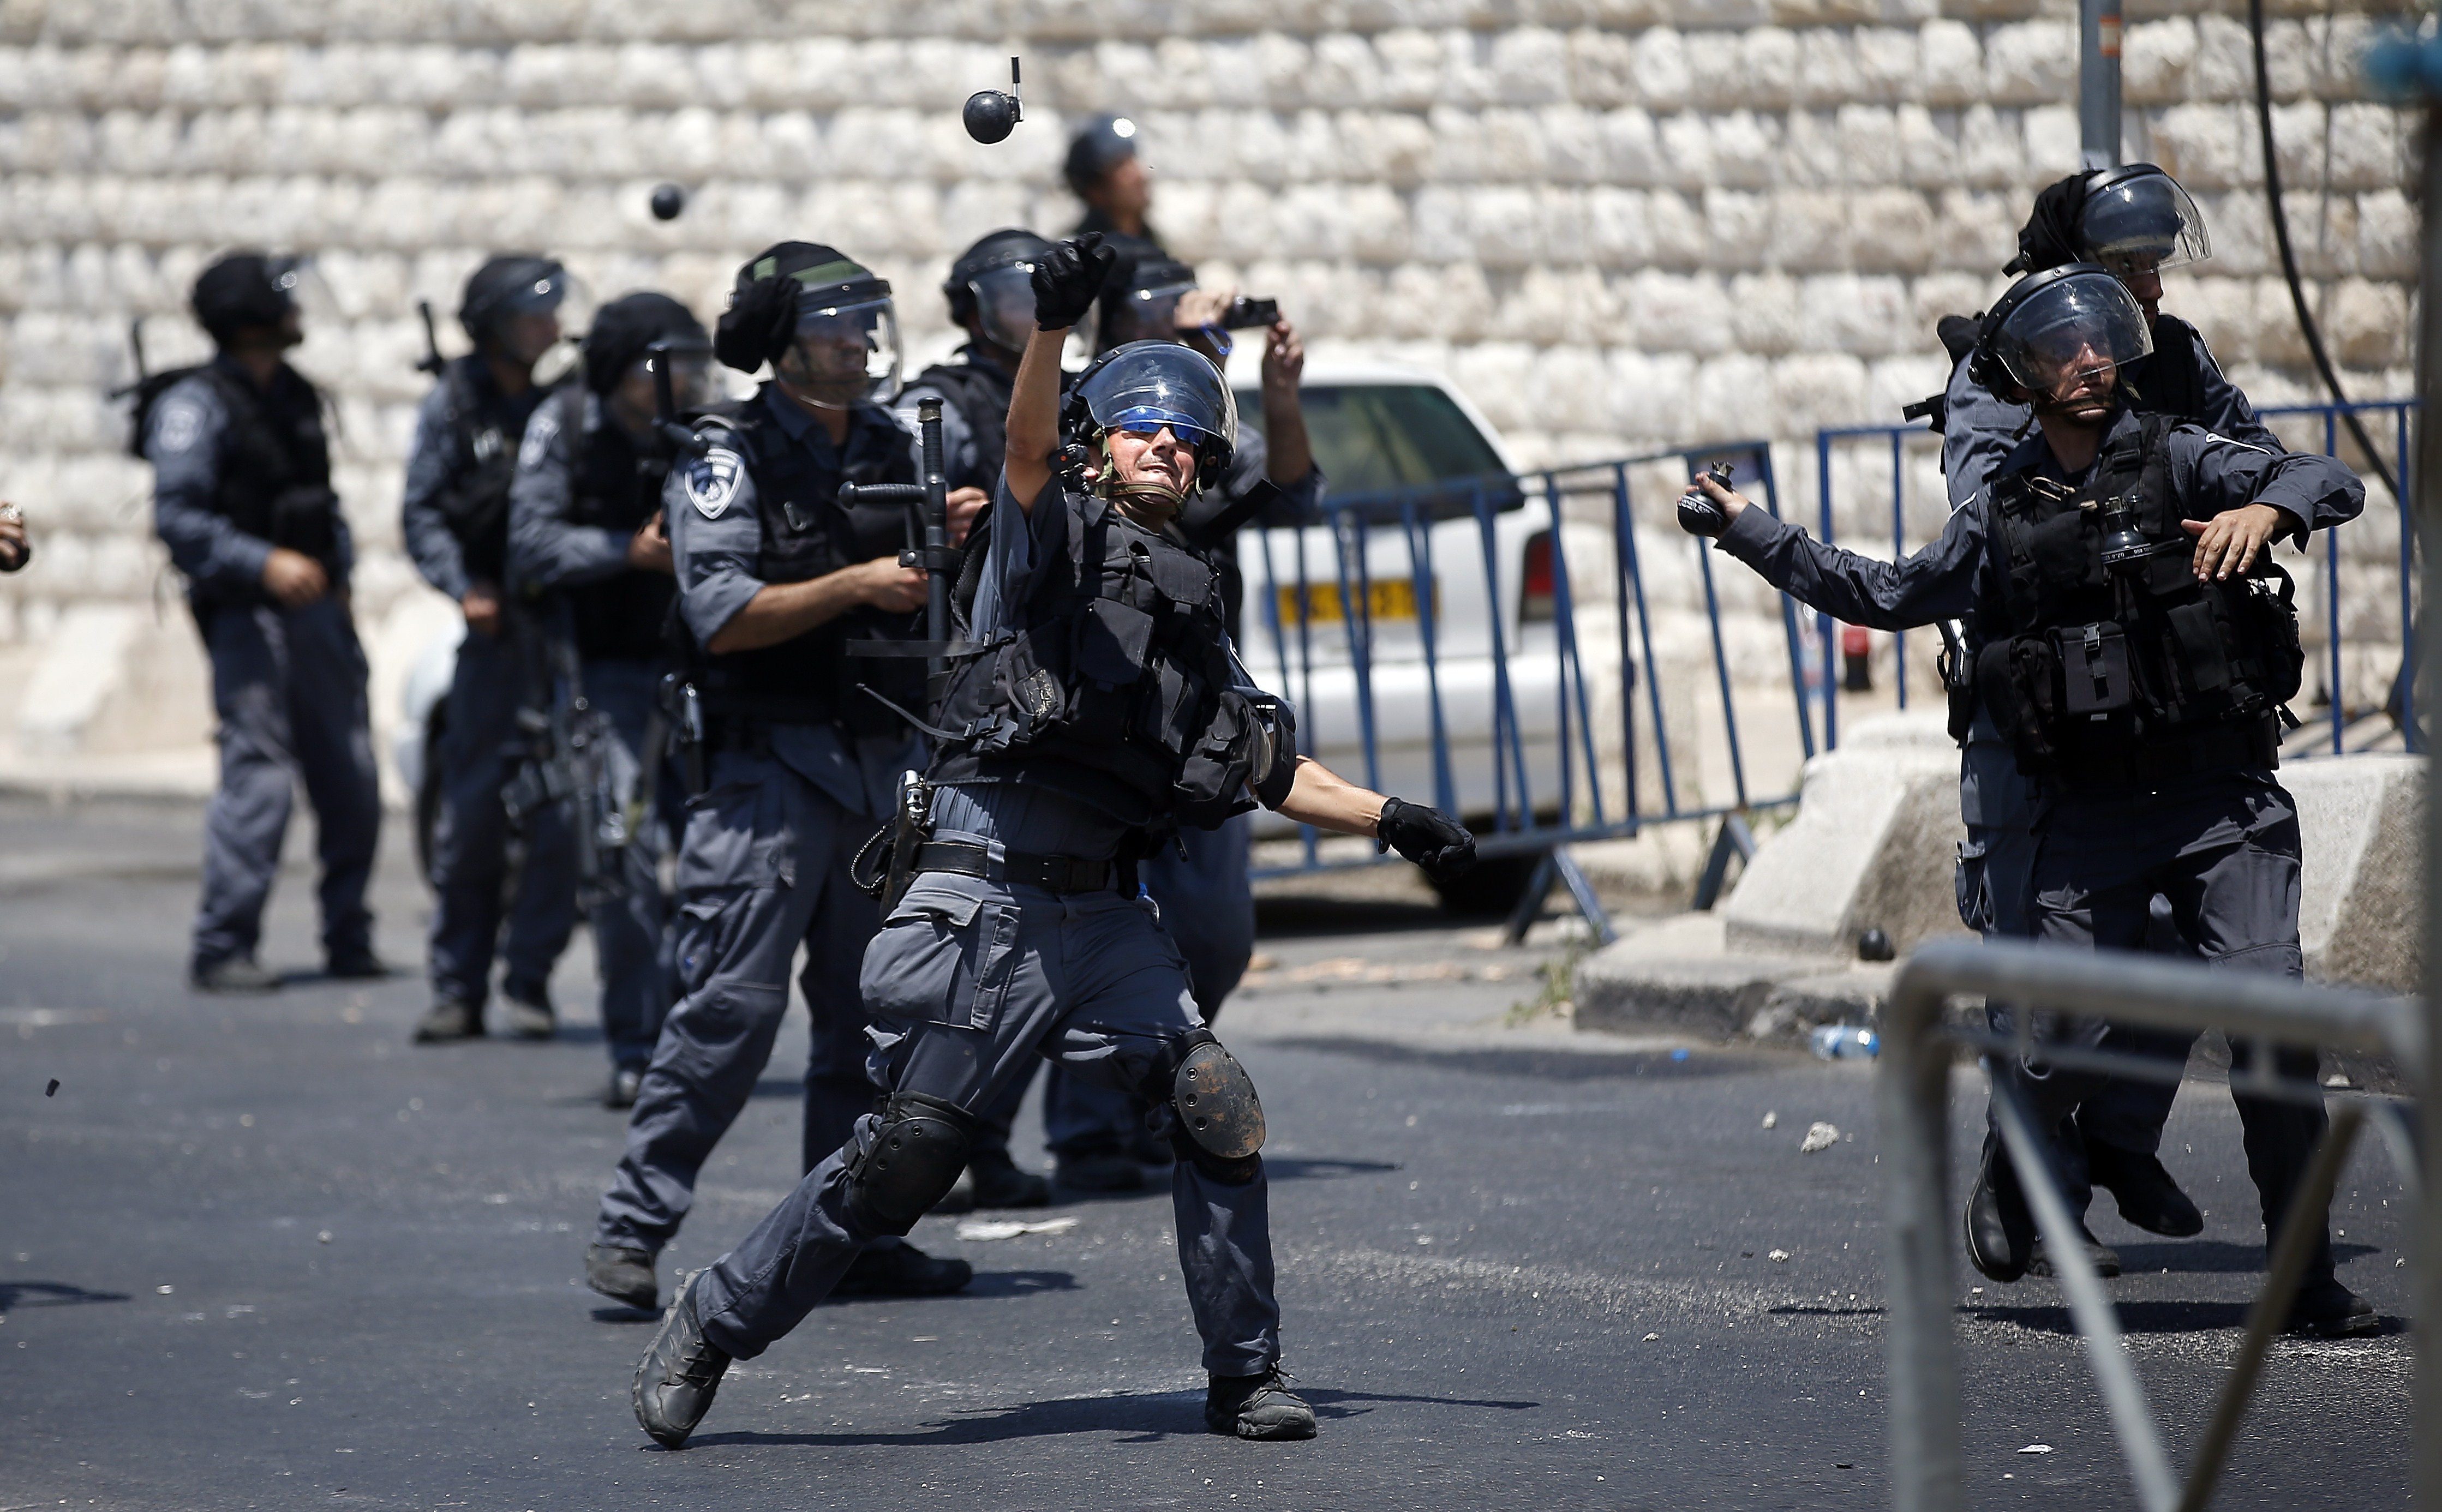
x,y
2408,70
2098,83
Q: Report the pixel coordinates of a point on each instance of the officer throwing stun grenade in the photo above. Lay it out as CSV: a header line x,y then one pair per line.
x,y
2134,645
774,578
1097,707
241,495
455,519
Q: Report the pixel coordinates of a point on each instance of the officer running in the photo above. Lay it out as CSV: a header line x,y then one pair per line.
x,y
242,497
585,531
2135,648
774,578
455,520
1099,706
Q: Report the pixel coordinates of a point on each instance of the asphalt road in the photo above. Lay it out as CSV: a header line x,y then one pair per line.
x,y
266,1253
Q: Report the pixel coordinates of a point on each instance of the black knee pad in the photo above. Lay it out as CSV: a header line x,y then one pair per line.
x,y
911,1162
1216,1120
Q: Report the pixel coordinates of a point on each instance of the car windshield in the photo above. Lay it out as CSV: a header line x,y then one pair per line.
x,y
1393,439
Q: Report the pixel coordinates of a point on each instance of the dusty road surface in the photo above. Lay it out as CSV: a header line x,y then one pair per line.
x,y
265,1254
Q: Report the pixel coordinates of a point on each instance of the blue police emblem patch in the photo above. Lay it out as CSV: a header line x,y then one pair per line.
x,y
711,482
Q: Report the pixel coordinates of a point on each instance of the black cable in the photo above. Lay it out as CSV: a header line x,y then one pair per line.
x,y
2289,257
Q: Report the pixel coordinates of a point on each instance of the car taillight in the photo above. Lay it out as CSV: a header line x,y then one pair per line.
x,y
1535,592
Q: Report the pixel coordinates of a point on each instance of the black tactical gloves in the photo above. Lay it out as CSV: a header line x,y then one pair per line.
x,y
1429,837
1070,279
1698,514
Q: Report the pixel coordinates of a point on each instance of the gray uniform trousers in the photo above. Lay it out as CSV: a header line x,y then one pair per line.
x,y
2224,849
288,685
1208,906
634,948
481,750
762,867
968,981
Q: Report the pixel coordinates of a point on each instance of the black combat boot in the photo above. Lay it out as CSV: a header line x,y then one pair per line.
x,y
1102,1168
623,1274
2104,1259
1260,1406
2000,1234
626,1082
893,1267
999,1183
530,1013
234,975
449,1020
680,1373
357,964
2147,1195
2327,1309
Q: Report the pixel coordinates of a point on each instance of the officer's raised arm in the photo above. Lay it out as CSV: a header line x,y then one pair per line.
x,y
1938,582
1065,283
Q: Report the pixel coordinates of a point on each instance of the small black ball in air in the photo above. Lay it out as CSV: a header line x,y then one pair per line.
x,y
1874,945
991,115
669,200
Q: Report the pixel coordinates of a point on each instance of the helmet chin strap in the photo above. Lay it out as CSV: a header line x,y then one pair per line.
x,y
1152,504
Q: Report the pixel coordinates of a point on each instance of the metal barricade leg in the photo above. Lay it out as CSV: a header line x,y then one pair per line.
x,y
1913,1092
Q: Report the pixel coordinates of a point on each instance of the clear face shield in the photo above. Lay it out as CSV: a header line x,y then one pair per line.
x,y
1005,306
1145,315
1153,386
692,385
2071,338
2143,223
844,353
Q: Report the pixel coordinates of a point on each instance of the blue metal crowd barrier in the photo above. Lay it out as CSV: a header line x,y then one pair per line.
x,y
2383,417
1466,690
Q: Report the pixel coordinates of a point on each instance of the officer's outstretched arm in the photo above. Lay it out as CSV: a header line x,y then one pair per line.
x,y
1066,282
1326,800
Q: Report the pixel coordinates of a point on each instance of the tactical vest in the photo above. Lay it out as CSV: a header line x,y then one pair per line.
x,y
981,398
1110,683
275,463
482,438
613,487
2104,677
808,534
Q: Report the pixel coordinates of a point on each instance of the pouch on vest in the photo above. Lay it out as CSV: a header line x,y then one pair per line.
x,y
2093,668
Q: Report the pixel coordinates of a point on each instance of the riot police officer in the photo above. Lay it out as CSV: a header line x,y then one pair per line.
x,y
1202,882
455,520
586,530
242,497
775,577
2136,221
991,294
1100,704
1103,169
2136,646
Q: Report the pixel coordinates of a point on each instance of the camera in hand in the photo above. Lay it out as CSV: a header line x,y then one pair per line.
x,y
1698,514
1245,314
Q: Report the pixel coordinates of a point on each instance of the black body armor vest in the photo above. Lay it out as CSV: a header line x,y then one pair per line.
x,y
2107,675
275,464
807,533
1110,683
612,486
485,430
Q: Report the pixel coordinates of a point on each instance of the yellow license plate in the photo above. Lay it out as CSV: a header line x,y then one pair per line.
x,y
1387,598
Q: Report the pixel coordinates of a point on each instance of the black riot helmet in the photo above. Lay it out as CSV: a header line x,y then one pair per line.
x,y
2057,325
510,283
626,326
1140,303
1103,143
991,287
1146,386
2136,219
249,291
831,312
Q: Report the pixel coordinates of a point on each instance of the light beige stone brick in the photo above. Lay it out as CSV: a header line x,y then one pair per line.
x,y
1951,59
2030,63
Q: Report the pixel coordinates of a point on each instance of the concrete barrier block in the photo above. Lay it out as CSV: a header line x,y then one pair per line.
x,y
2362,819
1871,847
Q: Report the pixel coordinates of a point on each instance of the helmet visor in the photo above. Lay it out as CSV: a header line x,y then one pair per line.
x,y
1151,385
2071,332
1145,315
2143,223
1005,304
691,379
847,352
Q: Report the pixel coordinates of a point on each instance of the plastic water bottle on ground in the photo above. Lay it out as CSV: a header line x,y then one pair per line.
x,y
1844,1042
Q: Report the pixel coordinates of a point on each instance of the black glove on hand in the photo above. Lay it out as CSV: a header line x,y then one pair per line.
x,y
1070,279
1429,837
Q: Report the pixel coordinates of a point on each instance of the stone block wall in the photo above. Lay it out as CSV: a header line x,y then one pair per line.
x,y
1614,223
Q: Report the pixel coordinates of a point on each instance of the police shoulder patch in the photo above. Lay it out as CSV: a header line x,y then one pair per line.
x,y
712,481
537,445
179,425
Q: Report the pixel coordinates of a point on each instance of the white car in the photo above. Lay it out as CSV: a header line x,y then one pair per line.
x,y
1404,450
